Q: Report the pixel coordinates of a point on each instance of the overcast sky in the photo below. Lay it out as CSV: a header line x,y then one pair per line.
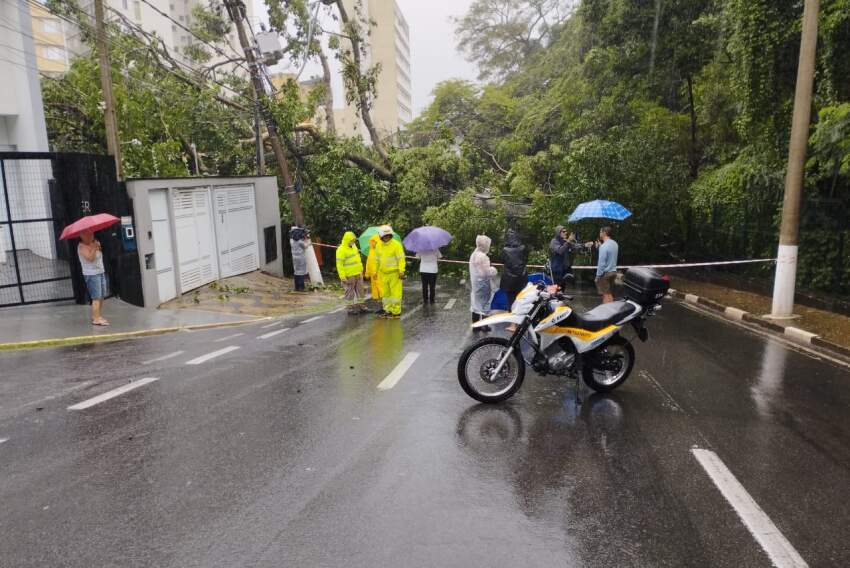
x,y
432,46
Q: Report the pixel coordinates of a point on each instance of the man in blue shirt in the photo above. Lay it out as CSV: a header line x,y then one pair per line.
x,y
606,270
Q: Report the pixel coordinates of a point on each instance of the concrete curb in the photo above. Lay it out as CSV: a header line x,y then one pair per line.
x,y
795,334
82,339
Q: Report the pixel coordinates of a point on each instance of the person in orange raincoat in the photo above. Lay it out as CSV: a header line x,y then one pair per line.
x,y
372,270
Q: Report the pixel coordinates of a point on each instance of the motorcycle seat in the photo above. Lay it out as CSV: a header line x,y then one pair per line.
x,y
601,316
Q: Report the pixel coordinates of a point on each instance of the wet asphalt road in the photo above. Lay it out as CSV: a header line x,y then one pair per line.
x,y
284,452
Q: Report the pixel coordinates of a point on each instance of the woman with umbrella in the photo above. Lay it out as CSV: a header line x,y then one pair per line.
x,y
426,243
90,253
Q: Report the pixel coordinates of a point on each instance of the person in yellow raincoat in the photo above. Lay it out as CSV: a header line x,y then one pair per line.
x,y
349,266
390,260
372,270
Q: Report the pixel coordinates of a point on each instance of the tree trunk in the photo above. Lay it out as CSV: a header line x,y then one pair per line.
x,y
353,32
693,155
329,96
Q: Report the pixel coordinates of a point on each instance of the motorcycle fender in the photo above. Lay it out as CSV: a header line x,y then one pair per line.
x,y
499,318
642,332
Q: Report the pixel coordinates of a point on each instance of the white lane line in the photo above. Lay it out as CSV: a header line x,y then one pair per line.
x,y
274,323
450,304
273,333
336,311
111,394
163,358
311,319
229,337
213,355
777,547
3,440
410,312
399,371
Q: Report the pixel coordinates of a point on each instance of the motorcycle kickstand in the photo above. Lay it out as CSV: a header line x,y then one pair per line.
x,y
577,389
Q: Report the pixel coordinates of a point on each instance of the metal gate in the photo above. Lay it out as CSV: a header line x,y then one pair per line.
x,y
34,264
40,193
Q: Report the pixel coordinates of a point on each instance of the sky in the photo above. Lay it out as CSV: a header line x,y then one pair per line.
x,y
432,45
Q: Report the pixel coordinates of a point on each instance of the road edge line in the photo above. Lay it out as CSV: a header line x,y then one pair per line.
x,y
84,339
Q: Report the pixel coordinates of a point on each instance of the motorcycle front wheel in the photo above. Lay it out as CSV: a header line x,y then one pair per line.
x,y
609,366
477,364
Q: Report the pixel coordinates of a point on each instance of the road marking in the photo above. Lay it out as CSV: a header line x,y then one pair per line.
x,y
450,304
3,440
213,355
229,337
274,323
336,311
111,394
163,358
314,318
411,311
777,547
273,333
399,371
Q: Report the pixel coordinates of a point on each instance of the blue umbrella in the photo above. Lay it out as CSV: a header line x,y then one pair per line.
x,y
426,238
600,209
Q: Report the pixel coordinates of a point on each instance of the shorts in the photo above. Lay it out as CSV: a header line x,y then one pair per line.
x,y
605,283
96,285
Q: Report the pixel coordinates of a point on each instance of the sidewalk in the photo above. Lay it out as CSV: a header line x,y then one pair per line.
x,y
58,324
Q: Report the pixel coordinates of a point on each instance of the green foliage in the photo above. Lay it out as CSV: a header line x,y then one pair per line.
x,y
159,116
466,219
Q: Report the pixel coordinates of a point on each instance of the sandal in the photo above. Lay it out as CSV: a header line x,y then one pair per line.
x,y
101,322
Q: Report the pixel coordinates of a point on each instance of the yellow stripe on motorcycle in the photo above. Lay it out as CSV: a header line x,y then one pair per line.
x,y
579,333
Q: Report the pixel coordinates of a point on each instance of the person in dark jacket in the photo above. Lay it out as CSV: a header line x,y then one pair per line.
x,y
514,274
561,255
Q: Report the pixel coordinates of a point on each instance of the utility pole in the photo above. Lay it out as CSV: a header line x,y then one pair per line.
x,y
786,258
113,144
236,11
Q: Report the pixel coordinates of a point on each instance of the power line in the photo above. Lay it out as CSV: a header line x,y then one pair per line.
x,y
196,36
189,68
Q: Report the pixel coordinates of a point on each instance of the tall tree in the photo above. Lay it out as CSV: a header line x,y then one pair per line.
x,y
498,35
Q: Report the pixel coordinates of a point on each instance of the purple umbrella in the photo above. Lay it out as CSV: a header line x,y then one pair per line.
x,y
426,238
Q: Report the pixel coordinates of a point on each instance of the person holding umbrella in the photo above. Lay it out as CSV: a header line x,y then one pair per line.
x,y
372,271
390,260
426,242
90,254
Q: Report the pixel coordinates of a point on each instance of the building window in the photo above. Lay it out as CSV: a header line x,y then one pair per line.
x,y
137,10
50,26
54,53
180,17
125,4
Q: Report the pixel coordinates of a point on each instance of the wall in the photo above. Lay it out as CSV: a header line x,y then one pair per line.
x,y
268,214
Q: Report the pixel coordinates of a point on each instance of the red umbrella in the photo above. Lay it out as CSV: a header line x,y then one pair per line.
x,y
88,223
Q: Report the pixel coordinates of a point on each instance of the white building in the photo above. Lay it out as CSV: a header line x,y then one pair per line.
x,y
388,44
22,125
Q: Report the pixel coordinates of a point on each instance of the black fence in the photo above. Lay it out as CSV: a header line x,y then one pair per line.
x,y
40,193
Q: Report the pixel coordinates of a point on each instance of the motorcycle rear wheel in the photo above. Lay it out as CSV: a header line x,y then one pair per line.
x,y
476,363
617,354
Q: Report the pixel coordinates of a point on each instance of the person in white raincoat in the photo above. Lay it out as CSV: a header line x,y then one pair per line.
x,y
480,274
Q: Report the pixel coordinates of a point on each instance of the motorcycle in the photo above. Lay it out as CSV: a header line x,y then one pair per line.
x,y
554,339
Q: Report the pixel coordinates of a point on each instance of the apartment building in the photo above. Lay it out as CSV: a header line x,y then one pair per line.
x,y
58,41
389,45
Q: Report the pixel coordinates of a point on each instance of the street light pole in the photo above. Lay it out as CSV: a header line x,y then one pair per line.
x,y
236,11
113,144
786,258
